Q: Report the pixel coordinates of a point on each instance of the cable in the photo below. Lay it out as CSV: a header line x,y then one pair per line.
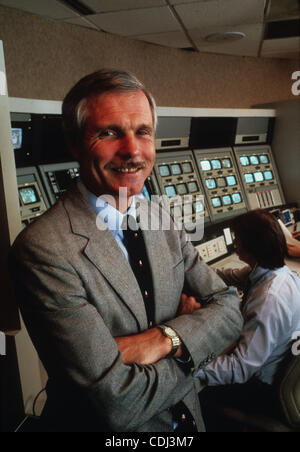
x,y
35,400
20,425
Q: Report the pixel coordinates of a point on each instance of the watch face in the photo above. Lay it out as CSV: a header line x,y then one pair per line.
x,y
170,332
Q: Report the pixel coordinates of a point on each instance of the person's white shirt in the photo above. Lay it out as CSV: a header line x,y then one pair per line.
x,y
271,314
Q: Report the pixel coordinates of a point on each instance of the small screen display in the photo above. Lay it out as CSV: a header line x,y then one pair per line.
x,y
221,182
193,187
227,200
269,175
231,181
176,169
182,189
264,159
226,163
216,202
170,191
198,207
236,198
216,164
28,195
244,161
259,177
205,165
187,167
254,160
249,178
164,170
17,138
211,184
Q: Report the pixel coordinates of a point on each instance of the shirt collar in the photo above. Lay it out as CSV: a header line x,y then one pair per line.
x,y
259,274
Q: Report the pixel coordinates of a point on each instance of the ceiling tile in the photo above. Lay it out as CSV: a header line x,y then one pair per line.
x,y
283,10
248,46
217,13
82,22
137,21
281,48
51,9
175,39
179,2
102,6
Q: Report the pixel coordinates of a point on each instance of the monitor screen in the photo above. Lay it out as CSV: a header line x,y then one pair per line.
x,y
164,170
182,189
211,184
198,207
264,159
170,191
221,182
259,177
231,181
244,161
193,187
29,195
227,200
17,138
205,165
216,164
254,160
187,167
226,163
216,202
236,198
176,169
249,178
269,175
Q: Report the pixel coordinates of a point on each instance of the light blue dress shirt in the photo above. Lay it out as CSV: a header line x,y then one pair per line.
x,y
271,316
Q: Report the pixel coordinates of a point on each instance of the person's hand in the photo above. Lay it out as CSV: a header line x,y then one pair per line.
x,y
293,250
188,305
296,235
145,348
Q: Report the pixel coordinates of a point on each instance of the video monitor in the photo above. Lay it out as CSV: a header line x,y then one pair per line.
x,y
17,138
211,184
216,202
237,198
227,201
176,169
170,191
258,176
254,160
264,159
198,207
187,167
269,175
231,181
216,164
182,189
164,171
249,178
226,163
221,182
193,187
28,195
205,165
244,161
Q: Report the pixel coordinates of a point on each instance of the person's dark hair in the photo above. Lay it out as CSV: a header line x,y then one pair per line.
x,y
100,82
261,235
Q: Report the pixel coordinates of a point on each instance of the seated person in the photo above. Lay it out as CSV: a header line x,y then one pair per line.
x,y
271,311
293,250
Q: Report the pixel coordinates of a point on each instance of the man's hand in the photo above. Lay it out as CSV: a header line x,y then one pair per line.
x,y
293,250
188,305
296,235
144,348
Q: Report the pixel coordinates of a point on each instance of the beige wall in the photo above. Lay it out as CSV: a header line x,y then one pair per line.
x,y
44,58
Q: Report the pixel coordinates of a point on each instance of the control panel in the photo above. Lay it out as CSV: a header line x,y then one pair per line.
x,y
213,249
178,180
57,178
259,176
32,198
221,182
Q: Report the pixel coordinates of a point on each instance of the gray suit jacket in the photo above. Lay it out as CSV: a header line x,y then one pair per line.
x,y
77,292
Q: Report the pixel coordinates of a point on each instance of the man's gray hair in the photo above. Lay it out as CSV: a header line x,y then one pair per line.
x,y
95,84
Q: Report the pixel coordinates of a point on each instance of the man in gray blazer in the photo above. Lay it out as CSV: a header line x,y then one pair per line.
x,y
110,368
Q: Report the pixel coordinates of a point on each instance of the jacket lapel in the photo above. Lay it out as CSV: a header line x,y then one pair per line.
x,y
104,252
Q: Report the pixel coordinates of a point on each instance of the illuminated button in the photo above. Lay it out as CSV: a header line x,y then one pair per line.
x,y
135,235
141,264
146,294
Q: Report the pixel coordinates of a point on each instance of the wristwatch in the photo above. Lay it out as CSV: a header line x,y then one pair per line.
x,y
171,334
